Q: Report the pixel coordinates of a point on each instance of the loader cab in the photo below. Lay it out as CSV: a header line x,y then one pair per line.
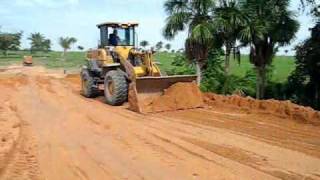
x,y
117,34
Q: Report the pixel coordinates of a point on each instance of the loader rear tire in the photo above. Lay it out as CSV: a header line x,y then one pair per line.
x,y
115,88
88,87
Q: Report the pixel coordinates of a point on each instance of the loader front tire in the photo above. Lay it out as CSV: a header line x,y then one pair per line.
x,y
88,87
115,88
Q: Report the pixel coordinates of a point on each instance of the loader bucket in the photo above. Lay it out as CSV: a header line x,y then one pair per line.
x,y
147,87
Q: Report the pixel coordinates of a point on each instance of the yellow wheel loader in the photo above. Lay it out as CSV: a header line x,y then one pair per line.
x,y
27,61
122,70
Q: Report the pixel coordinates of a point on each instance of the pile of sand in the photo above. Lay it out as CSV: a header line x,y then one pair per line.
x,y
179,96
284,109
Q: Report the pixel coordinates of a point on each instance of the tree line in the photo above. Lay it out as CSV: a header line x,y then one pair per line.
x,y
38,43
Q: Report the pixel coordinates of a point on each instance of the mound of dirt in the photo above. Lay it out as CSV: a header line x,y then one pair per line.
x,y
179,96
284,109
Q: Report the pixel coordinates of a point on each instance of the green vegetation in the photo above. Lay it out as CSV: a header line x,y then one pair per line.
x,y
39,43
264,30
73,60
213,26
195,17
9,41
282,65
66,43
159,45
304,82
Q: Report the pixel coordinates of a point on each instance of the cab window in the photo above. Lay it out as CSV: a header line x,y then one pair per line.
x,y
121,36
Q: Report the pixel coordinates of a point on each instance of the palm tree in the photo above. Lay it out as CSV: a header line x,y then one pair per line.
x,y
196,17
266,30
144,43
46,45
168,47
66,43
39,43
159,45
228,20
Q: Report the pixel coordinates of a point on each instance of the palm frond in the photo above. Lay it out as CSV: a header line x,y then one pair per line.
x,y
175,6
175,23
202,33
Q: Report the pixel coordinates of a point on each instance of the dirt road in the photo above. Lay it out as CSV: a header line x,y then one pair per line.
x,y
49,131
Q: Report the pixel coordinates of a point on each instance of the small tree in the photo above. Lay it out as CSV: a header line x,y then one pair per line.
x,y
159,45
144,43
10,41
286,51
39,43
66,43
305,80
81,48
168,47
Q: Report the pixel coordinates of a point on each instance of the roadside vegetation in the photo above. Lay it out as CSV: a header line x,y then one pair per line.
x,y
217,32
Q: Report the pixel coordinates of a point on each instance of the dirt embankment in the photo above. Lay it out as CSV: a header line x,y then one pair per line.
x,y
284,109
179,96
183,96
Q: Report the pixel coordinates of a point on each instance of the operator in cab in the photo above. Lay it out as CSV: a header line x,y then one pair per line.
x,y
114,38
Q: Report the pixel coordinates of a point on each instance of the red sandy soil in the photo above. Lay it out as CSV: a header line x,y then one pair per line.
x,y
180,96
49,131
284,109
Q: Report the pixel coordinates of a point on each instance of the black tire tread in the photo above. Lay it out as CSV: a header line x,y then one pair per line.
x,y
120,94
92,91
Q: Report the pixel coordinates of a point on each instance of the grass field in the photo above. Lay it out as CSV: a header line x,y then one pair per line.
x,y
73,60
282,65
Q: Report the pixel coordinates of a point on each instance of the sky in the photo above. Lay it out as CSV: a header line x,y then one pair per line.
x,y
78,18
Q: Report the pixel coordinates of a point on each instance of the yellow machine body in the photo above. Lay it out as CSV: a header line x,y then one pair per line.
x,y
141,71
147,68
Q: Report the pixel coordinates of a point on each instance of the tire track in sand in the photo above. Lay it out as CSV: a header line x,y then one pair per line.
x,y
18,146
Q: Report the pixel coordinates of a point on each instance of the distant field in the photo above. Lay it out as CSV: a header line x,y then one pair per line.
x,y
50,60
283,65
